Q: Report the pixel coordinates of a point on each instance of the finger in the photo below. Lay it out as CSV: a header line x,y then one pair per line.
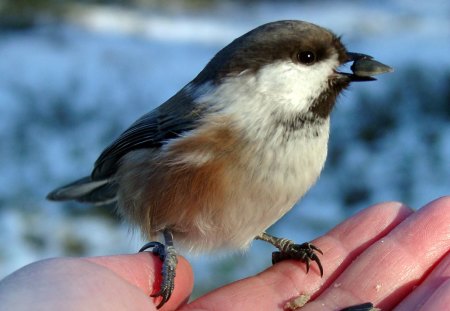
x,y
143,270
386,272
440,300
271,289
433,292
71,284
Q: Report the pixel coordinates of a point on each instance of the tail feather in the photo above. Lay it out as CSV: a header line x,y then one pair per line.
x,y
85,190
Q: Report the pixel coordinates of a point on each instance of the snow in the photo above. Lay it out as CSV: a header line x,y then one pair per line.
x,y
66,91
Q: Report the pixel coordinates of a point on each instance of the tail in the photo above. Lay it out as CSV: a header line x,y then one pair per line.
x,y
85,190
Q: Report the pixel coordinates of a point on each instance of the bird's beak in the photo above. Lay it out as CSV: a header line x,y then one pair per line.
x,y
364,67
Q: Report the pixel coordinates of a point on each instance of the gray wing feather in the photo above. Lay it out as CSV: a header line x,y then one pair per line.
x,y
177,115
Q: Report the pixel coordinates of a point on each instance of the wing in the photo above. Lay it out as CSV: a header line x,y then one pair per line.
x,y
177,115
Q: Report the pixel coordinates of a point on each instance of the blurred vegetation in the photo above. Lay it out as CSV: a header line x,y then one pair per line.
x,y
23,14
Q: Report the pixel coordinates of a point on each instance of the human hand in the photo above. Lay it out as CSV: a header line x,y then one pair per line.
x,y
385,254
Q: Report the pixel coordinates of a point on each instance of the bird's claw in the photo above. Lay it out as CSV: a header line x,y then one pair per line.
x,y
305,252
168,256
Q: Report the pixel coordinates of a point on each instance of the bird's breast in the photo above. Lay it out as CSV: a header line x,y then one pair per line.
x,y
215,187
255,182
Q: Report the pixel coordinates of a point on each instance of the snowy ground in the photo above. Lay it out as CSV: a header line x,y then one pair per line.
x,y
66,91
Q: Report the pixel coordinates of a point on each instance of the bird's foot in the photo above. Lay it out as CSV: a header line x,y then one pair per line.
x,y
305,252
168,256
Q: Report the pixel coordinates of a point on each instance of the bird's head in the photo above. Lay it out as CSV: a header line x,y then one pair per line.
x,y
285,68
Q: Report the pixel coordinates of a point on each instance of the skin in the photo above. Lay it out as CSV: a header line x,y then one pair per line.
x,y
386,254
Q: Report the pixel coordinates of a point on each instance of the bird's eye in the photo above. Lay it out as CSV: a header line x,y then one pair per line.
x,y
306,57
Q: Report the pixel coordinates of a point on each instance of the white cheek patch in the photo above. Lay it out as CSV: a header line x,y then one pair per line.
x,y
294,86
282,84
279,89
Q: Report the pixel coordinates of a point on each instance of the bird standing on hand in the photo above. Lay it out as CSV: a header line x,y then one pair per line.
x,y
229,154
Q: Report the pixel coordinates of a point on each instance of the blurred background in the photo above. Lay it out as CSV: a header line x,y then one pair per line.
x,y
75,74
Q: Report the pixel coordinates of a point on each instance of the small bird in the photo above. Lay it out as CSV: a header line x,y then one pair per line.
x,y
228,155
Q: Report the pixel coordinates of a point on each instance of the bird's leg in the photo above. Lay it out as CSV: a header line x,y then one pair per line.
x,y
168,255
305,252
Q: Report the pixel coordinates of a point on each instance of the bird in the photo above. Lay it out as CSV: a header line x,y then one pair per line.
x,y
229,154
